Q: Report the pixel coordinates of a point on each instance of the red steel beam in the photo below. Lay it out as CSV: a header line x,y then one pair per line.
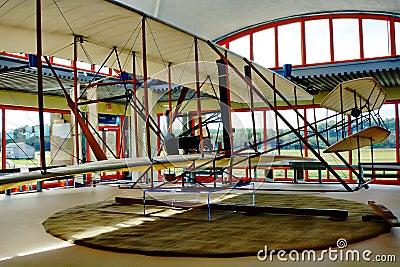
x,y
331,45
97,151
361,37
276,47
303,42
392,39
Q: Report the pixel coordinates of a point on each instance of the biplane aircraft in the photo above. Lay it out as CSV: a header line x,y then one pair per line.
x,y
110,28
358,98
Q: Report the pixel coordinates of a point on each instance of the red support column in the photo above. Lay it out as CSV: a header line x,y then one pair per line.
x,y
331,40
360,33
392,39
303,43
251,47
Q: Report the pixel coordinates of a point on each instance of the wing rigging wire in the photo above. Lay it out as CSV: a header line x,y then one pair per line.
x,y
114,50
62,48
4,3
98,71
65,19
155,42
110,93
186,62
133,44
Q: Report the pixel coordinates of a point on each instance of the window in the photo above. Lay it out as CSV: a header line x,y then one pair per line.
x,y
60,61
317,41
104,69
83,65
376,38
289,42
264,47
241,46
337,38
346,40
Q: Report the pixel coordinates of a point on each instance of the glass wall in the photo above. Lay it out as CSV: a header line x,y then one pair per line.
x,y
23,139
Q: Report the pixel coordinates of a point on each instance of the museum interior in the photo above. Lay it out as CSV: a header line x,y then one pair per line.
x,y
220,133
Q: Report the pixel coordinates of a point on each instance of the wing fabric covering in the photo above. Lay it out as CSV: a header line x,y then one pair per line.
x,y
129,164
108,24
364,93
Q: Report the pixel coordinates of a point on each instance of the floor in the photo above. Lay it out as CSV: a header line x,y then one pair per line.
x,y
23,241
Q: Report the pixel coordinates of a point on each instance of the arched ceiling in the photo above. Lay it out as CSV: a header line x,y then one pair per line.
x,y
214,18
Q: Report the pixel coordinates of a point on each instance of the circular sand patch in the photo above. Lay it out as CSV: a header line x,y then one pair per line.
x,y
110,226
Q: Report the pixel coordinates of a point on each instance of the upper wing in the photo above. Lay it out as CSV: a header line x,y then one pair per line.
x,y
365,93
107,24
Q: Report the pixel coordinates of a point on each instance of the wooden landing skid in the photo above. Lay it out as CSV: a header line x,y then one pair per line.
x,y
384,213
334,214
363,138
364,94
